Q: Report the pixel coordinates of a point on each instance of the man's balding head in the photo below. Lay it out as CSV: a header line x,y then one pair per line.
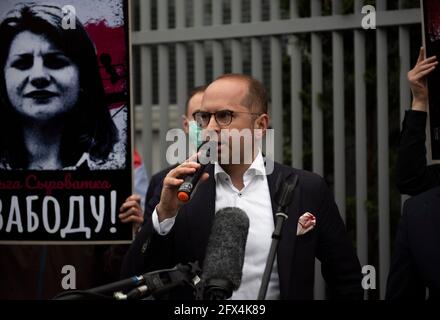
x,y
255,99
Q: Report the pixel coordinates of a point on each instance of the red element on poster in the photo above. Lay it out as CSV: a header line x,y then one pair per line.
x,y
111,51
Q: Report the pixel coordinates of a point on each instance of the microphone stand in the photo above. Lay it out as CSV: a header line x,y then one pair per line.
x,y
283,202
148,284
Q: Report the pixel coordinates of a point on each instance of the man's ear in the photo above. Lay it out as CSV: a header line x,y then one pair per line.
x,y
185,124
262,122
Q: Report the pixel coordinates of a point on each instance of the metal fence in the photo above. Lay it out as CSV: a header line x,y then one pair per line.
x,y
182,43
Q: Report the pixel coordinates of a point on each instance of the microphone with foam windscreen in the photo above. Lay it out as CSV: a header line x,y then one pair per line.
x,y
223,264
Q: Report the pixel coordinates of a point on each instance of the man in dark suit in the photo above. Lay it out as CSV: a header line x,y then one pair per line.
x,y
178,233
155,187
415,265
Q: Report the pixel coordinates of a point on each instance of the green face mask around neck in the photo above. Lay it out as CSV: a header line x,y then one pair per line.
x,y
195,134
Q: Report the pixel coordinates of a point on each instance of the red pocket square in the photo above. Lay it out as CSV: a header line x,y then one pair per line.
x,y
305,223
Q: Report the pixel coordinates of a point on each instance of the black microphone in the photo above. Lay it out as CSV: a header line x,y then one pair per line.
x,y
159,282
285,194
190,182
223,264
152,283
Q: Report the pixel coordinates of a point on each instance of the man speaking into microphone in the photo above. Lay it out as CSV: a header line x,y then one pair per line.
x,y
179,232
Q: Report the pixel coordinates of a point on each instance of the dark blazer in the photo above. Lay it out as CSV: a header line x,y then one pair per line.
x,y
416,261
413,175
328,242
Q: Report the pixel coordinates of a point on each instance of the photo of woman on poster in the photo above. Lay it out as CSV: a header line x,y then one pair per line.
x,y
53,111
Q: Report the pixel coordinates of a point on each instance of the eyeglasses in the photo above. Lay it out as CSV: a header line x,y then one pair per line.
x,y
222,117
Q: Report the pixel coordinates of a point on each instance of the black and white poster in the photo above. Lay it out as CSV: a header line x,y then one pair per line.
x,y
65,142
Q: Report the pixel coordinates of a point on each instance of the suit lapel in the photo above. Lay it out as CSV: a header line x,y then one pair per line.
x,y
286,246
275,180
200,213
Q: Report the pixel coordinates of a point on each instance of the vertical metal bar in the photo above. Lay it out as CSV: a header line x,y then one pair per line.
x,y
276,84
181,60
361,147
180,14
237,56
145,15
218,59
295,89
146,88
217,12
277,95
164,76
361,143
236,8
198,13
339,114
217,46
293,9
256,49
199,51
134,8
317,126
162,15
405,66
383,154
358,4
336,7
317,89
182,78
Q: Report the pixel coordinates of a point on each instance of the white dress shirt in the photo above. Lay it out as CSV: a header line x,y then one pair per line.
x,y
254,199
